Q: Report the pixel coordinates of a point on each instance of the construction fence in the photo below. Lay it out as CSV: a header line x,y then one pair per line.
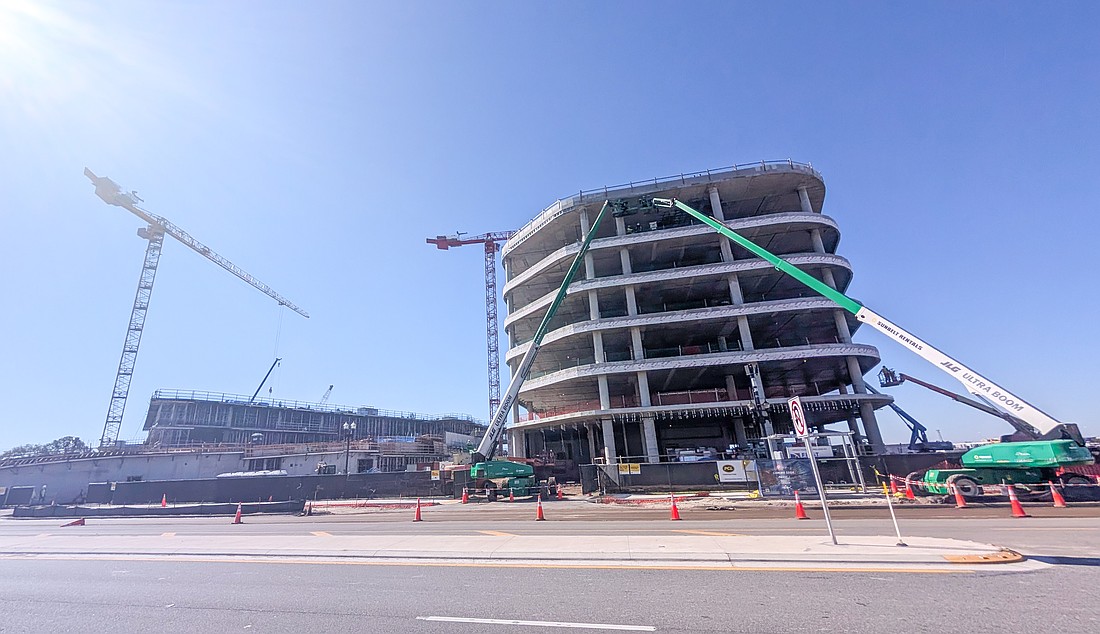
x,y
769,477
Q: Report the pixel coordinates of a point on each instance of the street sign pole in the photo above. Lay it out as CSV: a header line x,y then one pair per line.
x,y
802,429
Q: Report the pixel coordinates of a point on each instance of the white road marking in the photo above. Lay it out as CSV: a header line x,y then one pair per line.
x,y
588,626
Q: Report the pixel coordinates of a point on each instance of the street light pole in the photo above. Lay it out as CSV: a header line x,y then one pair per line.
x,y
349,431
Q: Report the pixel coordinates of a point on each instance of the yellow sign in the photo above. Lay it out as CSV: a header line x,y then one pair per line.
x,y
435,474
635,468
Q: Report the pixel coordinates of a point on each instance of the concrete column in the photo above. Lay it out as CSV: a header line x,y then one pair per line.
x,y
591,433
739,432
593,305
585,224
636,343
870,425
609,452
740,437
857,376
605,396
844,333
815,239
589,266
842,330
597,347
866,411
726,249
731,387
852,425
649,433
620,226
643,390
804,199
746,334
716,207
624,259
631,301
517,446
737,299
716,203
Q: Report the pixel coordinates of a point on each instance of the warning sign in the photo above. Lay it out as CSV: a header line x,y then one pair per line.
x,y
798,417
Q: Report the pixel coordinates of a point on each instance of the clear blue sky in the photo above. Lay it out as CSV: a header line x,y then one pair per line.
x,y
316,145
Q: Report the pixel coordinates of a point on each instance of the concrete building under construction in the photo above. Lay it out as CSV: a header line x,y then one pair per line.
x,y
179,418
672,338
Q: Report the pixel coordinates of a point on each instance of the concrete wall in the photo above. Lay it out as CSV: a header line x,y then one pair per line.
x,y
66,480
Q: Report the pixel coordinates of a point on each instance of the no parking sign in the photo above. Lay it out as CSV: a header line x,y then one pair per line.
x,y
798,416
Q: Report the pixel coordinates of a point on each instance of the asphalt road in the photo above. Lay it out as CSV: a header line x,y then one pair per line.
x,y
238,596
130,594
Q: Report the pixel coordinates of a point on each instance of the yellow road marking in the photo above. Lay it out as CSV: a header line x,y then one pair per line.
x,y
439,564
498,533
321,533
709,533
167,534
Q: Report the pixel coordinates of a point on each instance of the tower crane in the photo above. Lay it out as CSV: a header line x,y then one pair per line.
x,y
328,393
492,242
112,194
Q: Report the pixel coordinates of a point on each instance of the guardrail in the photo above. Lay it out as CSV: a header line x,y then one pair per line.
x,y
362,410
549,213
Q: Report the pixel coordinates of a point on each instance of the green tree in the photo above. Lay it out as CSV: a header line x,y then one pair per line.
x,y
63,445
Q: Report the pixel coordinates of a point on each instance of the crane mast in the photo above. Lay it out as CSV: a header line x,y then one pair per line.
x,y
111,193
489,442
491,242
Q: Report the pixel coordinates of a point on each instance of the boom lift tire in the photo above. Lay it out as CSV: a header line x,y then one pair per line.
x,y
491,491
1078,488
965,485
917,476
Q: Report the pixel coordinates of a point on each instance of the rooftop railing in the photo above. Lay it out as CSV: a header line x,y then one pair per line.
x,y
238,399
546,215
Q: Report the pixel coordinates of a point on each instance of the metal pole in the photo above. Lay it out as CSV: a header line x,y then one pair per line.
x,y
897,530
820,488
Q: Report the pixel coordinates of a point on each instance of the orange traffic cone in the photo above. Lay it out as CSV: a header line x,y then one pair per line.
x,y
538,510
511,495
560,496
79,522
237,518
164,500
416,518
909,490
465,495
893,486
799,510
1017,508
675,511
1059,501
309,508
960,501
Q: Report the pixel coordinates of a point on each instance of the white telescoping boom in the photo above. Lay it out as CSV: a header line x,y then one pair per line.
x,y
1042,424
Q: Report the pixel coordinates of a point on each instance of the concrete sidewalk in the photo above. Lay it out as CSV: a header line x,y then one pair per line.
x,y
699,550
